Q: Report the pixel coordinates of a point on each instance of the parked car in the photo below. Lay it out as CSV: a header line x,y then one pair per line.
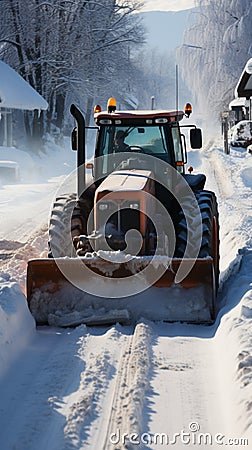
x,y
9,172
240,135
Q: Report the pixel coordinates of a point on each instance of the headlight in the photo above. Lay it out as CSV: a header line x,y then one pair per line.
x,y
103,206
134,205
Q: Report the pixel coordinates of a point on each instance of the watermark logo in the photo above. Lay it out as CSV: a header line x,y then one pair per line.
x,y
192,437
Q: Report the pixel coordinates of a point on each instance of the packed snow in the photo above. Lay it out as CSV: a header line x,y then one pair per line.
x,y
146,386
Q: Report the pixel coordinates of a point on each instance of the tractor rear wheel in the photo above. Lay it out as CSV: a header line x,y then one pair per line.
x,y
65,223
210,231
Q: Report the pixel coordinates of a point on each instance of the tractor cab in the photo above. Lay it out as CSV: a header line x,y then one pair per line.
x,y
138,139
154,133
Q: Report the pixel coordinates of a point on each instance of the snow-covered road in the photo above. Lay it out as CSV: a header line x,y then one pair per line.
x,y
111,388
151,386
24,208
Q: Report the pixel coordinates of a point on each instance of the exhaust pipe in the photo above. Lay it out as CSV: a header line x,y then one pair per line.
x,y
78,143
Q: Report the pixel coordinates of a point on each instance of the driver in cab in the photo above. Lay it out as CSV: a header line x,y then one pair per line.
x,y
119,144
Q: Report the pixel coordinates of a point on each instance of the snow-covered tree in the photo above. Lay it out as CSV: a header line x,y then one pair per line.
x,y
215,50
156,75
70,50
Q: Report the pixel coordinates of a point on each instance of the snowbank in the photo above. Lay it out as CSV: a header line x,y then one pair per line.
x,y
235,337
16,322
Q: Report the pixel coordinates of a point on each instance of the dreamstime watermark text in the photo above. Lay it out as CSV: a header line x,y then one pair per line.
x,y
193,436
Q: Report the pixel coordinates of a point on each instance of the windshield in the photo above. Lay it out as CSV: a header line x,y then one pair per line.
x,y
150,140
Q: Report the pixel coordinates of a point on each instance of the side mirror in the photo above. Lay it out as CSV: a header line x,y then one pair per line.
x,y
196,138
74,139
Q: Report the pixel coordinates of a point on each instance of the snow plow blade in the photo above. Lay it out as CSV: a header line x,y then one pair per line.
x,y
59,293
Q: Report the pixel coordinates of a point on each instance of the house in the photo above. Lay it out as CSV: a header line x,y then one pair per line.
x,y
15,94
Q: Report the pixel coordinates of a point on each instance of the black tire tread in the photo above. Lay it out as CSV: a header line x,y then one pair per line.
x,y
209,209
60,239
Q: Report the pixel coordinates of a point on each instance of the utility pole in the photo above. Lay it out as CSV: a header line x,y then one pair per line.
x,y
152,102
224,122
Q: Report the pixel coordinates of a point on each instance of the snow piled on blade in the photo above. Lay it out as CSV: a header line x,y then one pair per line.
x,y
78,317
158,304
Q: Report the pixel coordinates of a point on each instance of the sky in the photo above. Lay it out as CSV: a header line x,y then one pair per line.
x,y
168,5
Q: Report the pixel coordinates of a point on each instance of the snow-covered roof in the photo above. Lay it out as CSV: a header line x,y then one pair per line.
x,y
16,93
239,101
244,85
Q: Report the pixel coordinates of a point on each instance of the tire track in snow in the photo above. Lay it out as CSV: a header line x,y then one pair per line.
x,y
234,196
86,409
82,407
224,186
131,387
113,386
225,178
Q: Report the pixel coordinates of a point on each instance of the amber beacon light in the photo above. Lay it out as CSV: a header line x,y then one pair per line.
x,y
188,109
97,109
111,104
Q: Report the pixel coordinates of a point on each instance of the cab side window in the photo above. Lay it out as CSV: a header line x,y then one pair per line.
x,y
178,151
